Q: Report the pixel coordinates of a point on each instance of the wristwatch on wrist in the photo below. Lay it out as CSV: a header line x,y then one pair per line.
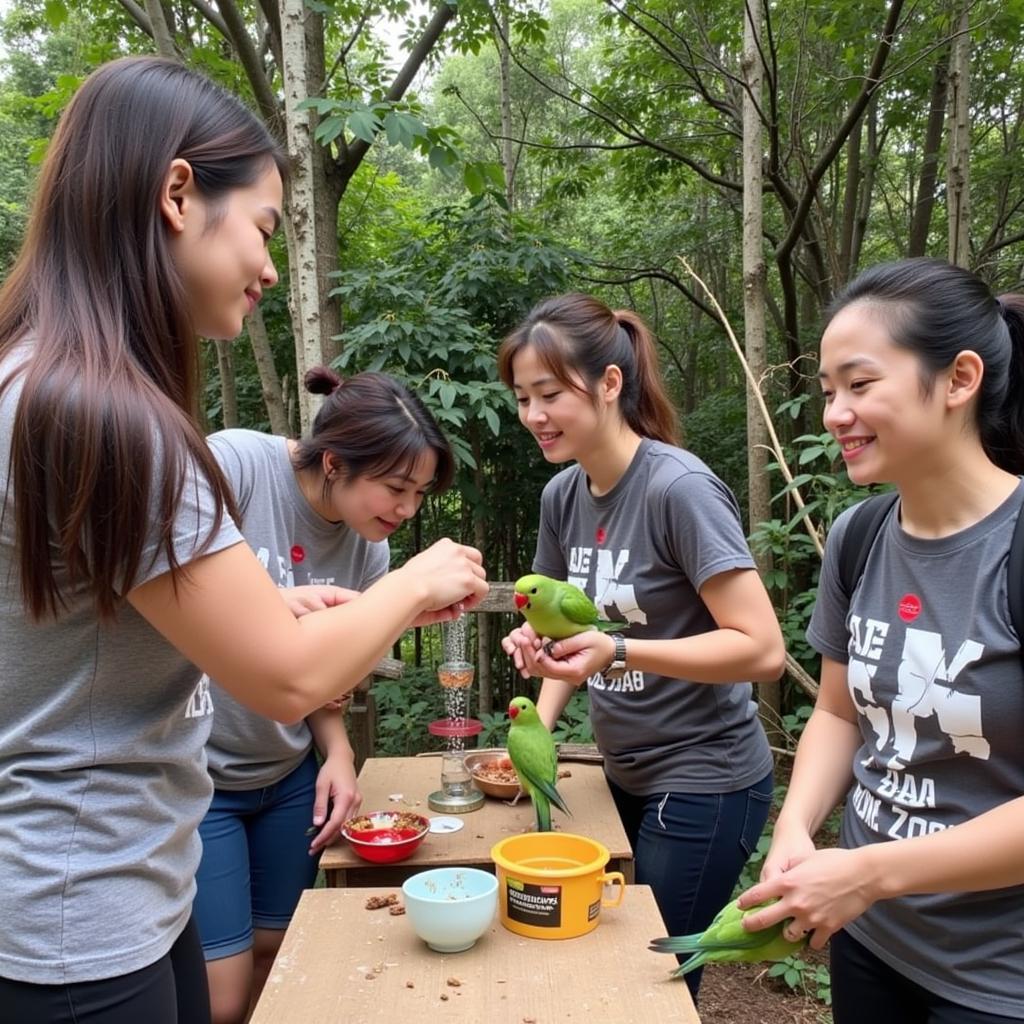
x,y
617,666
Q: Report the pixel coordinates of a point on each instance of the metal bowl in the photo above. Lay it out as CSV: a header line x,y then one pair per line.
x,y
476,759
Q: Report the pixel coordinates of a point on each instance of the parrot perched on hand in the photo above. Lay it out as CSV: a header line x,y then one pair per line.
x,y
557,610
725,940
532,753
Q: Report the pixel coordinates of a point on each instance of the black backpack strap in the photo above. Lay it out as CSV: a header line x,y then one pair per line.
x,y
860,535
1015,580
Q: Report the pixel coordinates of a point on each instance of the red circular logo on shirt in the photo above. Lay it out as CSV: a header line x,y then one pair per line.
x,y
910,607
298,553
601,534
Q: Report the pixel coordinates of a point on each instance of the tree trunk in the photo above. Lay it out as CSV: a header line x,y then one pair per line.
x,y
162,35
754,278
304,152
228,391
270,383
924,201
851,195
959,145
505,92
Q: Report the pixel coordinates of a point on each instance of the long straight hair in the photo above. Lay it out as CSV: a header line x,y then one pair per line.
x,y
98,308
578,336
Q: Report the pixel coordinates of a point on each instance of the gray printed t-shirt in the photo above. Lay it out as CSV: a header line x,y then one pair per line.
x,y
296,546
934,670
642,552
102,776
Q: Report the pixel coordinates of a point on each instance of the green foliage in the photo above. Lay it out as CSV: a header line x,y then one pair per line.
x,y
573,726
405,707
807,979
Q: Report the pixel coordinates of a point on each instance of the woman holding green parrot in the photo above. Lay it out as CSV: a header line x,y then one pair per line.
x,y
653,538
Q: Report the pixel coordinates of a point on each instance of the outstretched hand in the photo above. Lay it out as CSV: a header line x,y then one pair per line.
x,y
573,660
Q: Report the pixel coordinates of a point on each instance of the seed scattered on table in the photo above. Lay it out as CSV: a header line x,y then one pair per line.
x,y
376,902
396,910
453,982
409,984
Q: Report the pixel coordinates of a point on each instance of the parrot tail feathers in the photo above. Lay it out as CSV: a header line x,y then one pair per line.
x,y
676,944
610,627
552,794
692,964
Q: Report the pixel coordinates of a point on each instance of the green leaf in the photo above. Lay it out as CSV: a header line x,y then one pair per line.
x,y
492,420
363,125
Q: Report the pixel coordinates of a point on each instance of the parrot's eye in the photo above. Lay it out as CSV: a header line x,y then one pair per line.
x,y
534,591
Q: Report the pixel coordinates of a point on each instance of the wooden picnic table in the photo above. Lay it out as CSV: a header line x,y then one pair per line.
x,y
413,778
342,962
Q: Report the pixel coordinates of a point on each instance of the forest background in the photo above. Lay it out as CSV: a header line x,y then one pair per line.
x,y
722,166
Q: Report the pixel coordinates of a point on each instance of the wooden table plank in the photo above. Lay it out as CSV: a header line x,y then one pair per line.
x,y
341,962
585,791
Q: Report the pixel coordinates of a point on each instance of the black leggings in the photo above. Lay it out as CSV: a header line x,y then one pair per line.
x,y
865,988
171,991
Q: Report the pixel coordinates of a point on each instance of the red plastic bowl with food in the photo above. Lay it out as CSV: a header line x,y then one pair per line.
x,y
385,837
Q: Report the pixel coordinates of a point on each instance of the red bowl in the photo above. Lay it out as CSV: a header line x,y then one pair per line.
x,y
385,837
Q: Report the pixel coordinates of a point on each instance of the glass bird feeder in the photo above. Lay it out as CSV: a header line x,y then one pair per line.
x,y
457,794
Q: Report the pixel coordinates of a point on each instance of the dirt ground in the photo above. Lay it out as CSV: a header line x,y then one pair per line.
x,y
744,994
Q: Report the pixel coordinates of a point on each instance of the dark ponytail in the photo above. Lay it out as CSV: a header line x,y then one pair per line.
x,y
938,310
578,333
373,426
1007,434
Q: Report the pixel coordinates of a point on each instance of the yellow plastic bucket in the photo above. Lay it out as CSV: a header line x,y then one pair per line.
x,y
551,884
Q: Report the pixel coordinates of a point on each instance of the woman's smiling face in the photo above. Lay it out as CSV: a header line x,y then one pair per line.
x,y
888,425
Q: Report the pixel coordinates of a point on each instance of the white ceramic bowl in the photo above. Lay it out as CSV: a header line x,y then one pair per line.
x,y
450,908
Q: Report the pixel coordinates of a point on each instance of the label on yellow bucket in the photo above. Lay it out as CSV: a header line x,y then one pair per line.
x,y
536,905
593,910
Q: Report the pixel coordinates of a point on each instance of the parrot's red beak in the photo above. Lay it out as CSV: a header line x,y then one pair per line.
x,y
521,600
512,709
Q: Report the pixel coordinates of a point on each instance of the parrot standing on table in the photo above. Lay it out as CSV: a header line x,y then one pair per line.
x,y
725,940
531,750
557,610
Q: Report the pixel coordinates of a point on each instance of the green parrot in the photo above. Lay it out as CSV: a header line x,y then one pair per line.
x,y
532,753
725,940
557,610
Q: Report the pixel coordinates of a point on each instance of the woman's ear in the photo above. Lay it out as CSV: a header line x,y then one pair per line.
x,y
965,378
178,194
331,467
611,384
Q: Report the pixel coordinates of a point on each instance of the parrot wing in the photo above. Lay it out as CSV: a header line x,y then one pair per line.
x,y
576,606
532,752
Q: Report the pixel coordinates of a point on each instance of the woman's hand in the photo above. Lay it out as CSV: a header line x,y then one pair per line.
x,y
572,660
336,787
822,893
452,577
521,646
790,846
315,598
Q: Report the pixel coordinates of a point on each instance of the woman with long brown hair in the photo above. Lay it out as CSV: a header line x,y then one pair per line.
x,y
654,538
123,575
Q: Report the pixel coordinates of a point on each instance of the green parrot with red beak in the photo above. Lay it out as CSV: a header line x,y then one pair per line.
x,y
531,749
556,609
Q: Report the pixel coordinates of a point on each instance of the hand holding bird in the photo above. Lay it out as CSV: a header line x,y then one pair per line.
x,y
531,750
725,940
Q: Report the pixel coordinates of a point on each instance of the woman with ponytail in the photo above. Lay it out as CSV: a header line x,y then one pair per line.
x,y
123,575
317,512
920,713
654,538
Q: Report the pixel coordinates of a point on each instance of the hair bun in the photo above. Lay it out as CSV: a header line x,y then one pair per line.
x,y
321,380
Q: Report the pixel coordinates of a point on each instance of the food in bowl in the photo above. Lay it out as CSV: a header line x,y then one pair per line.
x,y
493,773
450,908
385,837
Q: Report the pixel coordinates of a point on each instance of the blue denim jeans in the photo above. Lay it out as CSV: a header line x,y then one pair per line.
x,y
255,861
690,849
